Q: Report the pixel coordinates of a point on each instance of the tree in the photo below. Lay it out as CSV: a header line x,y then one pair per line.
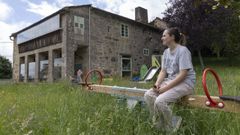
x,y
5,68
235,4
232,49
204,26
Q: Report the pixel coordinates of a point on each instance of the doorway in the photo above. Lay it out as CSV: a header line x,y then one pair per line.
x,y
126,66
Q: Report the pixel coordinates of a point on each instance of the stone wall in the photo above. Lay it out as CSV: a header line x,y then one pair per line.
x,y
107,44
77,42
16,61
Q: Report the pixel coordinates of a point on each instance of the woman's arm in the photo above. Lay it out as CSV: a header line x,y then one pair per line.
x,y
160,78
179,78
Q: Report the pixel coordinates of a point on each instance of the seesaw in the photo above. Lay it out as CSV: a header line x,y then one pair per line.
x,y
219,103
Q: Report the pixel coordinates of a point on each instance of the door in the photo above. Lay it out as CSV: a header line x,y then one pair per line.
x,y
126,66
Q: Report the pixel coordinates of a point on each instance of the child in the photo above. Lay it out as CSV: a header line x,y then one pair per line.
x,y
79,76
175,80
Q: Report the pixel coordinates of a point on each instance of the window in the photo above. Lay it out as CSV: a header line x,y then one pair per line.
x,y
43,75
22,69
78,25
126,66
124,30
81,26
43,28
57,66
146,52
22,72
31,71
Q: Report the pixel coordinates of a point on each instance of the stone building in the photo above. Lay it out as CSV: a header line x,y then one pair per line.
x,y
84,37
159,23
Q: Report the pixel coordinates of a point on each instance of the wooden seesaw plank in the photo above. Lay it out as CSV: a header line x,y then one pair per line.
x,y
199,102
191,100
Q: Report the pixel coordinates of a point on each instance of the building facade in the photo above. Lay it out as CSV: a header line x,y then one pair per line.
x,y
86,38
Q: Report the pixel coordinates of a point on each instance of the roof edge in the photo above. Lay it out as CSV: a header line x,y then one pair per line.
x,y
129,19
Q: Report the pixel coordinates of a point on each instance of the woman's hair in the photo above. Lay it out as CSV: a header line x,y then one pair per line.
x,y
179,37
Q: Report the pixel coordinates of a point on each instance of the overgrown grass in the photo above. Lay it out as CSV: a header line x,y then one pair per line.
x,y
65,109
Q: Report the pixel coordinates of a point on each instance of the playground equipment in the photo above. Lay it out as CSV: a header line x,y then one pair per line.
x,y
152,71
156,59
210,101
221,103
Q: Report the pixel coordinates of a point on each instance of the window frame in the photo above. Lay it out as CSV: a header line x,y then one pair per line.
x,y
124,30
145,49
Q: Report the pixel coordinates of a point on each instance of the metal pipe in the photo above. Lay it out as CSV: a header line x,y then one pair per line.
x,y
89,36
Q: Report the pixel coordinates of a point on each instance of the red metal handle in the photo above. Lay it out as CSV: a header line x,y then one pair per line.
x,y
88,75
211,102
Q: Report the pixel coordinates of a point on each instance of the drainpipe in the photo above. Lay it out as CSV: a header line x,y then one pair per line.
x,y
89,36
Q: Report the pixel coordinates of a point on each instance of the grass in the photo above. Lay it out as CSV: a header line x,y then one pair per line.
x,y
65,109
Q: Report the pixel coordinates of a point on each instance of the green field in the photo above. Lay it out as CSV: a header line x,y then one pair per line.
x,y
65,109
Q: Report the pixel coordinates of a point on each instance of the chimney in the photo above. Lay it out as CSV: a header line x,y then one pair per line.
x,y
141,15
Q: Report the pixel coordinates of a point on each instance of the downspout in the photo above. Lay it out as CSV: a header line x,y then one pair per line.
x,y
89,36
11,37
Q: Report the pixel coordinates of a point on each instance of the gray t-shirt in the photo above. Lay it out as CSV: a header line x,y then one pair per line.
x,y
179,59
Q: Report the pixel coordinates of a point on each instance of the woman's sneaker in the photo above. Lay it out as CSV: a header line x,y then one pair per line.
x,y
156,123
176,122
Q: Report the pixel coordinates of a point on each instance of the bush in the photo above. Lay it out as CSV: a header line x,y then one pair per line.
x,y
5,68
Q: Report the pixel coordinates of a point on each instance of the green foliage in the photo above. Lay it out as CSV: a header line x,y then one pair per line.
x,y
233,40
232,37
235,4
5,68
204,26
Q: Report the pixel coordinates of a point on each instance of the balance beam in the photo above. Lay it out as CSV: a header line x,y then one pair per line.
x,y
197,101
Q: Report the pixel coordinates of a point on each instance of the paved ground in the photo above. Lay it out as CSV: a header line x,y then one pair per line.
x,y
3,81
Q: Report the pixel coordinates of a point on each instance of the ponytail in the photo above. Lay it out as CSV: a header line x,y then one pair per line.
x,y
179,37
182,40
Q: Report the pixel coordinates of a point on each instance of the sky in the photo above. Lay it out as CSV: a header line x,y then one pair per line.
x,y
18,14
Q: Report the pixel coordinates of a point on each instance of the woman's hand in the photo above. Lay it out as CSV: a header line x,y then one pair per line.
x,y
160,79
162,90
179,78
155,87
159,88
